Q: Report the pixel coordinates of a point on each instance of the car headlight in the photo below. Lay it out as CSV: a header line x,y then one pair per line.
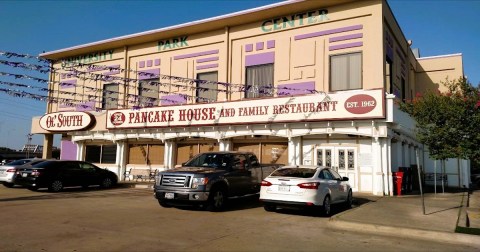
x,y
199,181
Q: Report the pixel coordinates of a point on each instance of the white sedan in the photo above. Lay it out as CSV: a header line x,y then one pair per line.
x,y
305,186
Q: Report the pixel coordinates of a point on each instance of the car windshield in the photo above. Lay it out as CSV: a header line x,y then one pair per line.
x,y
209,160
294,172
19,162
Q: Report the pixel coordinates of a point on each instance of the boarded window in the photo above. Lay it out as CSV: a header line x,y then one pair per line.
x,y
146,154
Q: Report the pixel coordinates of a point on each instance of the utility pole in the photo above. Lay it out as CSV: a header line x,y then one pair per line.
x,y
29,142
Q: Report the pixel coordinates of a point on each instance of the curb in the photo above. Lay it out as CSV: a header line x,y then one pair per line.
x,y
456,238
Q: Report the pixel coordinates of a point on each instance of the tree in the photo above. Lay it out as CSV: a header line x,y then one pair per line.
x,y
448,123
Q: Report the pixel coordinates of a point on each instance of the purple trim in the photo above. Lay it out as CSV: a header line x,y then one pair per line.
x,y
141,64
68,150
259,46
298,88
148,75
173,99
112,72
207,59
157,62
346,37
343,46
248,47
149,63
87,106
68,84
328,32
207,66
270,44
191,55
260,59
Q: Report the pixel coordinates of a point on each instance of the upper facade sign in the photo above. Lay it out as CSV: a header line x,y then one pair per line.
x,y
88,58
362,104
66,121
295,20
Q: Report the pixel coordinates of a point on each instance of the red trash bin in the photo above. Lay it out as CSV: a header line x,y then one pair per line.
x,y
397,182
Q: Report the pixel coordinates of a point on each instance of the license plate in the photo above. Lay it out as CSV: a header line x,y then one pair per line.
x,y
2,172
169,195
284,188
24,175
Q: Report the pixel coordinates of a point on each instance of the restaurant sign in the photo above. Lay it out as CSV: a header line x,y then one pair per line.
x,y
66,121
362,104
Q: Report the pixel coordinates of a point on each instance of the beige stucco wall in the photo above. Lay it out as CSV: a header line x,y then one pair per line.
x,y
432,71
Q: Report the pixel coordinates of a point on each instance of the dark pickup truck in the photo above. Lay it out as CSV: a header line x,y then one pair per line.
x,y
208,179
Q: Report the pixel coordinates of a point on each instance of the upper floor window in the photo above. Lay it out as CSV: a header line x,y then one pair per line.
x,y
148,92
346,71
110,96
259,81
207,91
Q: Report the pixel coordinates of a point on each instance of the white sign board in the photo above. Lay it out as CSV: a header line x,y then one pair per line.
x,y
362,104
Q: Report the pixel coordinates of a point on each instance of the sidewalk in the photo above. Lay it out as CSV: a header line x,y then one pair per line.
x,y
403,216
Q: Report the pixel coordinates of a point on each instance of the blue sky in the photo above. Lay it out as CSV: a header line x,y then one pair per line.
x,y
30,27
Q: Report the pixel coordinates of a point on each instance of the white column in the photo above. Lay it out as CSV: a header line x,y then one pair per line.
x,y
377,166
225,144
388,179
169,154
294,151
121,159
80,150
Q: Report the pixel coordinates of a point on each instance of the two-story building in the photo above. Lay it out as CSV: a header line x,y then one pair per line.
x,y
297,82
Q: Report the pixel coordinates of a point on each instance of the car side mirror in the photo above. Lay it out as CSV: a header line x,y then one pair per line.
x,y
344,178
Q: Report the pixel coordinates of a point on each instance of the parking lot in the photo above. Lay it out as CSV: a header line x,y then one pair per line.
x,y
129,219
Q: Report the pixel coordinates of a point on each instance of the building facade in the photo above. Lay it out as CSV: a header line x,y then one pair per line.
x,y
298,82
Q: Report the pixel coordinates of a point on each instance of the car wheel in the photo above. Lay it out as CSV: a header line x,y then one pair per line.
x,y
217,200
164,204
326,207
56,186
269,208
9,185
106,183
349,201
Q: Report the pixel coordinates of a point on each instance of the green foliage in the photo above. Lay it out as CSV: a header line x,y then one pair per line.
x,y
448,123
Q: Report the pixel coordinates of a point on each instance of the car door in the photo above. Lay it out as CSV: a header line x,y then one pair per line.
x,y
332,184
239,176
90,174
342,188
68,172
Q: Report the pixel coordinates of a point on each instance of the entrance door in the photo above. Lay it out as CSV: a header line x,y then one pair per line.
x,y
341,159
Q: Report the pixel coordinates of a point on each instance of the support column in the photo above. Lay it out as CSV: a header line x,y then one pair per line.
x,y
47,146
377,173
80,150
121,160
294,150
168,155
225,144
389,178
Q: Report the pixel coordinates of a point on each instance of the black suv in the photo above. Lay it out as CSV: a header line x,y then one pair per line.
x,y
56,174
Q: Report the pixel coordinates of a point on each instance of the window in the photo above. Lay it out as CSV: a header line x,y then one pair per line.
x,y
146,154
207,91
346,72
259,81
148,92
110,96
106,154
388,75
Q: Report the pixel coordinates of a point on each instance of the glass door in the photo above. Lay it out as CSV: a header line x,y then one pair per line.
x,y
341,159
